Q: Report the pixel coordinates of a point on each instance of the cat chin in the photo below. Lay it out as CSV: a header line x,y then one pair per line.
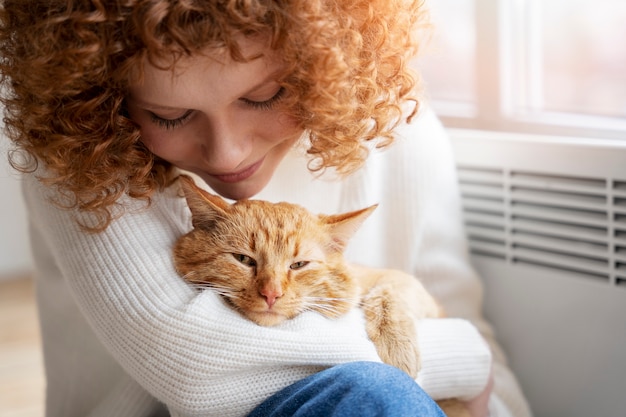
x,y
266,318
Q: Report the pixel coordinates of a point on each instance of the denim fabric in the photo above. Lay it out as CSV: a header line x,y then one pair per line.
x,y
360,389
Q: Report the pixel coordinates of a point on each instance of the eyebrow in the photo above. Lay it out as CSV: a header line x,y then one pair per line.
x,y
151,106
270,77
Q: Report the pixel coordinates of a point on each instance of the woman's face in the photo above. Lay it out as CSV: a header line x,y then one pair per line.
x,y
217,118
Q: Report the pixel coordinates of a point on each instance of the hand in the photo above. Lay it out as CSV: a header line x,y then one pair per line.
x,y
479,406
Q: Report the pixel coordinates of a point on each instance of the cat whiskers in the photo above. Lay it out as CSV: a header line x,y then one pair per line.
x,y
327,306
224,291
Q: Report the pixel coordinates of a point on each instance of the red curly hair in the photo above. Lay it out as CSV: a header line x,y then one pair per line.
x,y
66,67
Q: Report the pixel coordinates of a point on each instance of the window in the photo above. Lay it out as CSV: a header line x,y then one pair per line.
x,y
450,57
556,66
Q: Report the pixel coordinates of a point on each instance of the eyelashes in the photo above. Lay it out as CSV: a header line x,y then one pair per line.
x,y
266,104
179,121
170,123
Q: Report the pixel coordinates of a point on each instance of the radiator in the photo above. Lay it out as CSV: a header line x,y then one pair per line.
x,y
546,223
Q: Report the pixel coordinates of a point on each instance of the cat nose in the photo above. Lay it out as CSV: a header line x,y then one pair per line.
x,y
271,295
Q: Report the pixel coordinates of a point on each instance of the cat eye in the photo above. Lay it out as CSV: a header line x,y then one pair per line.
x,y
298,265
244,259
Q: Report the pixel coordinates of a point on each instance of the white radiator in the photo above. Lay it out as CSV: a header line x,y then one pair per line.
x,y
546,221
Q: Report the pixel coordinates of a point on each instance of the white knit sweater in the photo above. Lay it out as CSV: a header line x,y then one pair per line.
x,y
125,336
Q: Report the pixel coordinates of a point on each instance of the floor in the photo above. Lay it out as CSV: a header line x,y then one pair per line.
x,y
21,368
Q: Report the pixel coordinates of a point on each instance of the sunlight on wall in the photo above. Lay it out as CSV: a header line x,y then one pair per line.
x,y
529,56
448,60
15,258
584,56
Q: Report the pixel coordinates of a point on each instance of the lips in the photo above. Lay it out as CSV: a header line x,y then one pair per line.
x,y
240,175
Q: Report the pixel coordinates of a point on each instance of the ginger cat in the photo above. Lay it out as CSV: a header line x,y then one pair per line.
x,y
272,262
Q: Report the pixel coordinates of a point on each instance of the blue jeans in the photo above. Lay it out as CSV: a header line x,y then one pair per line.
x,y
363,389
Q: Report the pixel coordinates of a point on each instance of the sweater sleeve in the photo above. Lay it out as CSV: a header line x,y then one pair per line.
x,y
440,257
439,250
418,228
455,359
187,349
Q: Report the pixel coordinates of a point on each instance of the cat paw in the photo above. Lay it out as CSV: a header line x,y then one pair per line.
x,y
404,356
392,331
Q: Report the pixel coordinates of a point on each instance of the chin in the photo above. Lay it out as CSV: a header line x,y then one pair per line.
x,y
236,194
240,191
266,318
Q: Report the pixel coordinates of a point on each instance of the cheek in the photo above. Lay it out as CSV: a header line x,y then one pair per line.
x,y
165,145
276,127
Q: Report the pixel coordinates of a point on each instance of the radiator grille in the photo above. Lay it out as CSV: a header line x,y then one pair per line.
x,y
568,223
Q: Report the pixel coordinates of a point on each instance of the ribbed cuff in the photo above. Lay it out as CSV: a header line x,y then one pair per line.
x,y
456,361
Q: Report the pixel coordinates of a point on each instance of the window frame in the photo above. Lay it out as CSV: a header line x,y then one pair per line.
x,y
505,44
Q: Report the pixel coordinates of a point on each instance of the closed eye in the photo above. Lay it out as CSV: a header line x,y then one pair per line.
x,y
265,104
170,123
298,265
244,259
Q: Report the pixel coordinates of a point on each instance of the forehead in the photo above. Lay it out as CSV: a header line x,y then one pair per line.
x,y
275,230
277,216
279,219
212,73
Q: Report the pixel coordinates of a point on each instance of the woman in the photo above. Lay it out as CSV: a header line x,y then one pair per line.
x,y
109,99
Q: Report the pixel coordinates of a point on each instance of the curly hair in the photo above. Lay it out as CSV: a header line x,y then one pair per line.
x,y
66,67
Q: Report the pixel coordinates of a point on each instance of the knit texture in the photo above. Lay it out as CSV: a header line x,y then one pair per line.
x,y
125,336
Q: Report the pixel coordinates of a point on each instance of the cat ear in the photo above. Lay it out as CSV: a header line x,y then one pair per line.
x,y
205,207
343,226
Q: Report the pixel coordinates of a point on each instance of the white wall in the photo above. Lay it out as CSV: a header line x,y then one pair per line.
x,y
15,258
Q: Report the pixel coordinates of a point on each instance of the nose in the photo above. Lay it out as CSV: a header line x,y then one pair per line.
x,y
224,144
271,294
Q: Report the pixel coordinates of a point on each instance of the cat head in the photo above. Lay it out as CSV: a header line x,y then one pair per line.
x,y
271,261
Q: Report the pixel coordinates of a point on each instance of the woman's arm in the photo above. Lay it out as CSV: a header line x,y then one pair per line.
x,y
418,228
189,350
442,260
